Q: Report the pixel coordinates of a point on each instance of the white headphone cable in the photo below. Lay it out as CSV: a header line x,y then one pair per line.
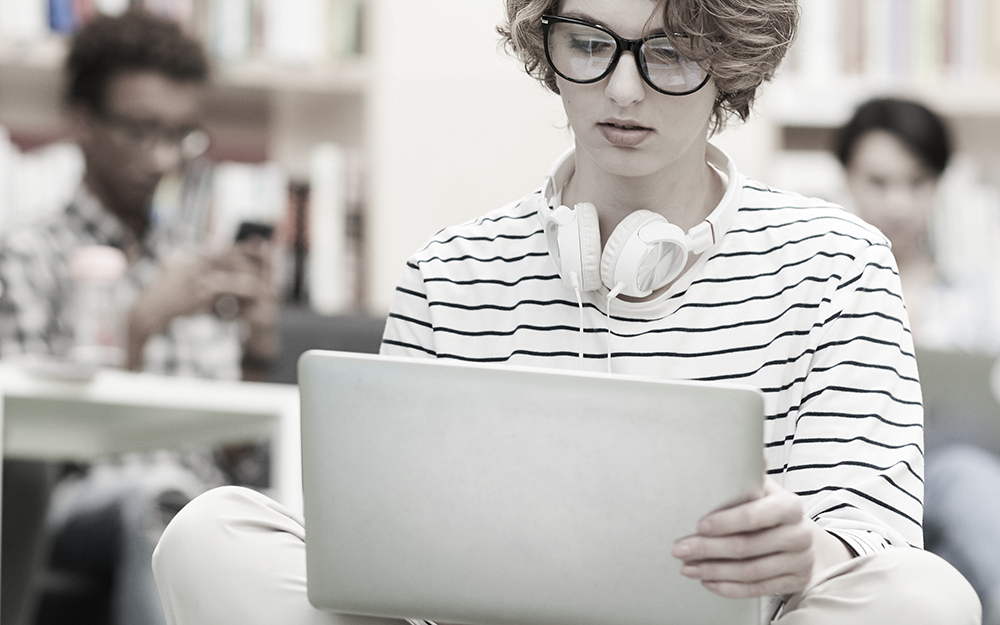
x,y
612,294
575,281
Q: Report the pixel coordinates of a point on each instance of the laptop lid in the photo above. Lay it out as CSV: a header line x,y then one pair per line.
x,y
491,495
959,396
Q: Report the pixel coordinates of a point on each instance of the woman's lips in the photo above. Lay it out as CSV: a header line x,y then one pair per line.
x,y
622,133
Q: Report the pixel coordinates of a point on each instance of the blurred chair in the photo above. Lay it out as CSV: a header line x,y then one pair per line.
x,y
300,329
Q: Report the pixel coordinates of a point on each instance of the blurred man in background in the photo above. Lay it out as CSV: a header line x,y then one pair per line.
x,y
134,88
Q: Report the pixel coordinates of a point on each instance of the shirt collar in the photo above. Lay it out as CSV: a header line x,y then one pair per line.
x,y
88,214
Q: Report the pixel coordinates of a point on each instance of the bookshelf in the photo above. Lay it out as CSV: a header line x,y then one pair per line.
x,y
247,106
444,135
287,76
944,53
456,130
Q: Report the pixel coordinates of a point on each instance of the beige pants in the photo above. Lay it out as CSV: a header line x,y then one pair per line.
x,y
233,556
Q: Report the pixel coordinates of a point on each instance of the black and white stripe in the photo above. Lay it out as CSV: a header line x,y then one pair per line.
x,y
799,299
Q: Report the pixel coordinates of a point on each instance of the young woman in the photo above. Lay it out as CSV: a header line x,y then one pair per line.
x,y
646,252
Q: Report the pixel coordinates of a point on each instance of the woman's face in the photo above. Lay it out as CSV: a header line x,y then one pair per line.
x,y
892,189
621,124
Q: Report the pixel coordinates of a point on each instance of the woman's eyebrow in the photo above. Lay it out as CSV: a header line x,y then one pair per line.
x,y
581,16
577,15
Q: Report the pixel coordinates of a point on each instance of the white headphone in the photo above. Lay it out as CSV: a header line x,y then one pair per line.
x,y
644,253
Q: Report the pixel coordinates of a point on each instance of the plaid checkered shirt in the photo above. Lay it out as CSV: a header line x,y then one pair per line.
x,y
35,304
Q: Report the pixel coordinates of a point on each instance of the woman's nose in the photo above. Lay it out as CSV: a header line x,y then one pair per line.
x,y
625,84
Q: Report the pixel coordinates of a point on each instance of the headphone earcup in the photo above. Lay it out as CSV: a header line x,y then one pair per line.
x,y
589,232
644,253
574,242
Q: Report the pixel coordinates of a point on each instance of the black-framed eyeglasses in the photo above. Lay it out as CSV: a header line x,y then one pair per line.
x,y
145,136
584,53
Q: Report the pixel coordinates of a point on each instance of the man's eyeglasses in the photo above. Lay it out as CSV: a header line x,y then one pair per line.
x,y
145,136
584,53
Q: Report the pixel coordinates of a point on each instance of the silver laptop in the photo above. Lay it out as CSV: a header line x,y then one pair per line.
x,y
493,495
960,398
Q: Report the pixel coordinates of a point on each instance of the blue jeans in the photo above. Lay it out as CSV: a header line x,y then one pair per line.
x,y
104,525
962,517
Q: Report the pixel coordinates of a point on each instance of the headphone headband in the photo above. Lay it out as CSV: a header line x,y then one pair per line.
x,y
641,246
703,235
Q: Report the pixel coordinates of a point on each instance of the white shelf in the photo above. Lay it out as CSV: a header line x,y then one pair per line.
x,y
347,76
801,101
43,54
47,415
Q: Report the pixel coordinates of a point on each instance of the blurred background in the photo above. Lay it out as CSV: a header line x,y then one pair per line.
x,y
361,127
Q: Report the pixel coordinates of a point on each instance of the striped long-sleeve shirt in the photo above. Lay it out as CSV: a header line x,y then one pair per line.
x,y
799,299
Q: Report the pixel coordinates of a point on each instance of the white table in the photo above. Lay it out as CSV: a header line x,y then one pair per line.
x,y
116,411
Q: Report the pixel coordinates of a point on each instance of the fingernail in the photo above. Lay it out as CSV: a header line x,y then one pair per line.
x,y
682,550
689,570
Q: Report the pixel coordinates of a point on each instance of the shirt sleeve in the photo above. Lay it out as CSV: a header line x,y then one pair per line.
x,y
409,330
856,450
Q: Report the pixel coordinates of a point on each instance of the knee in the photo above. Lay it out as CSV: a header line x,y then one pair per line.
x,y
926,589
201,527
226,555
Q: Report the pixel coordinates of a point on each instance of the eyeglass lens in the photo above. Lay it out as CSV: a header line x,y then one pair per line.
x,y
146,136
583,53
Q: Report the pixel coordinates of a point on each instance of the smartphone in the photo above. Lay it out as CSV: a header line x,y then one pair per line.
x,y
251,229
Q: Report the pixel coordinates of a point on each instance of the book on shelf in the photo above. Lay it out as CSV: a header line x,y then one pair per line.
x,y
897,40
966,223
316,224
296,32
65,16
182,201
229,29
240,192
23,20
333,259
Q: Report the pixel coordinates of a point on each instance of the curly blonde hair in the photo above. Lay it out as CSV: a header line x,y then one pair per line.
x,y
739,42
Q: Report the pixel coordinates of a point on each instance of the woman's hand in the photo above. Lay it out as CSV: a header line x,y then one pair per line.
x,y
762,547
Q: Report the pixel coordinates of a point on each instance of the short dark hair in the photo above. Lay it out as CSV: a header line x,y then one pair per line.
x,y
135,40
918,127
